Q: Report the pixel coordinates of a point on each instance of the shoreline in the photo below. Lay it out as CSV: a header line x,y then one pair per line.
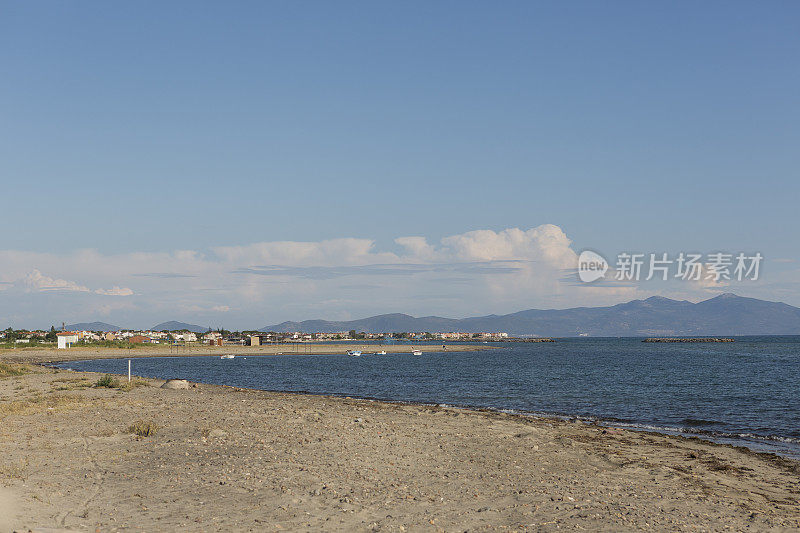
x,y
521,416
53,355
773,444
232,458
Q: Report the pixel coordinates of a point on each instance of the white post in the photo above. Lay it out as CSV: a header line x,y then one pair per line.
x,y
129,370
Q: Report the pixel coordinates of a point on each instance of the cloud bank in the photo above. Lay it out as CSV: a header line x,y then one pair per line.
x,y
477,272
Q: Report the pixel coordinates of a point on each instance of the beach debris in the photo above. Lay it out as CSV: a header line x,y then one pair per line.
x,y
175,384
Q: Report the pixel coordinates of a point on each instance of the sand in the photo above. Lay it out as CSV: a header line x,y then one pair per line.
x,y
226,459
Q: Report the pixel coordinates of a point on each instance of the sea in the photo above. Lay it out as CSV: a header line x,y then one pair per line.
x,y
744,393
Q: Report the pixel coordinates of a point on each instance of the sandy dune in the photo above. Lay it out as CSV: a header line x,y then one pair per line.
x,y
240,460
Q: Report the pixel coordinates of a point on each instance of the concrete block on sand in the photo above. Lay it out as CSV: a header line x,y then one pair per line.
x,y
175,384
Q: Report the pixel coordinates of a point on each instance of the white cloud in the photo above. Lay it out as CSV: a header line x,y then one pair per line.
x,y
36,281
417,247
476,272
329,252
546,243
115,291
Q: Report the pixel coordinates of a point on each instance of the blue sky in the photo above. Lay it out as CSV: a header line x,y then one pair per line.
x,y
182,127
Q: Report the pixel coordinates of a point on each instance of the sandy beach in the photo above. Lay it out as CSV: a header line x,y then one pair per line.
x,y
242,460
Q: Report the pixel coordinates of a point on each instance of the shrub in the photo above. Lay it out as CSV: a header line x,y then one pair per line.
x,y
107,381
143,428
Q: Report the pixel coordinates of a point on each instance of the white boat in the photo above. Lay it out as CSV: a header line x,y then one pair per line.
x,y
382,352
227,356
416,352
353,353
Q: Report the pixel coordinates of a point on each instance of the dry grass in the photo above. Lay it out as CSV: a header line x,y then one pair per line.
x,y
69,380
143,428
63,384
8,370
39,404
112,382
135,382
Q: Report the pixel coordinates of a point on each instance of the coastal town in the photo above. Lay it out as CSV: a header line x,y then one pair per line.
x,y
63,338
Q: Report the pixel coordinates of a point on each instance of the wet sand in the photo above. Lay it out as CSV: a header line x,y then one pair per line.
x,y
242,460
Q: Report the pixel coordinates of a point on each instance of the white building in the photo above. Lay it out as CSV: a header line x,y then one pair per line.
x,y
187,337
66,339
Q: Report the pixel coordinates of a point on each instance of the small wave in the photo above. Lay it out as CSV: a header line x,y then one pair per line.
x,y
696,422
775,438
615,420
649,427
709,433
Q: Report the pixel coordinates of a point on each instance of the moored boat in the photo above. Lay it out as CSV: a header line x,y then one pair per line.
x,y
353,353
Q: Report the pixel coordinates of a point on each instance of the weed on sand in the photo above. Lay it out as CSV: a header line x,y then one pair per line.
x,y
143,428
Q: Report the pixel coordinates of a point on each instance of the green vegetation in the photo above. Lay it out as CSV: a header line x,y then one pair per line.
x,y
109,344
108,381
112,382
10,336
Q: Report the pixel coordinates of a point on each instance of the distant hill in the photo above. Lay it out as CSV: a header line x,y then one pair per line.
x,y
92,326
172,325
726,314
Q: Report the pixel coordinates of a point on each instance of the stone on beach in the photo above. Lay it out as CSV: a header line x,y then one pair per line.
x,y
175,384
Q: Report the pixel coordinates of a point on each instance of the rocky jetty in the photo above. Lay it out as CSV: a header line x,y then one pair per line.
x,y
685,339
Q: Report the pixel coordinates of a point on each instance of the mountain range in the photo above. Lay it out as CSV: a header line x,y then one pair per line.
x,y
172,325
92,326
726,314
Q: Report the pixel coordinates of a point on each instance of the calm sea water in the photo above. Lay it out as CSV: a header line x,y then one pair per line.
x,y
746,392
